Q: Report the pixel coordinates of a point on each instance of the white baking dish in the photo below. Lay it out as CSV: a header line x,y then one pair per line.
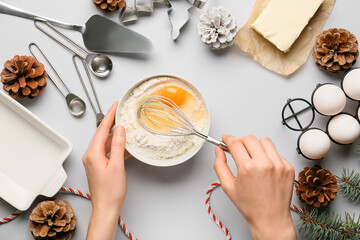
x,y
31,155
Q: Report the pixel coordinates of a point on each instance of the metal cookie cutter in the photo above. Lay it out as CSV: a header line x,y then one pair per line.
x,y
132,13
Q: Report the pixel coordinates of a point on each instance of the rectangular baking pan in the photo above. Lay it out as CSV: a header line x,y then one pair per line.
x,y
31,155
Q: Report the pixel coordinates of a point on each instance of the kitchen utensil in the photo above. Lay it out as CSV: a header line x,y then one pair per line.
x,y
298,115
175,31
328,100
99,33
75,104
134,90
130,14
160,115
99,114
99,64
31,155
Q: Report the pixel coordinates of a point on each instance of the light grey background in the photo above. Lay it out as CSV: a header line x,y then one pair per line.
x,y
243,97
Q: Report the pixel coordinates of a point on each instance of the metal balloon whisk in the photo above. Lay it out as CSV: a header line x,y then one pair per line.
x,y
160,115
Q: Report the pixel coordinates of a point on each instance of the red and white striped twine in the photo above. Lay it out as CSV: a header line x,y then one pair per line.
x,y
87,196
210,212
79,193
120,221
10,218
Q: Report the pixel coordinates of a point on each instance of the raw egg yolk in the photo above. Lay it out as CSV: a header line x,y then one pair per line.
x,y
176,94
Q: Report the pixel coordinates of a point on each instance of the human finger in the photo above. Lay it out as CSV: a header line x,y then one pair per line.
x,y
108,147
222,170
102,133
127,155
108,143
271,151
287,164
236,149
253,147
118,146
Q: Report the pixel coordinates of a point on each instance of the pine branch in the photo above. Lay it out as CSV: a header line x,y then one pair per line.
x,y
349,185
319,225
322,225
352,227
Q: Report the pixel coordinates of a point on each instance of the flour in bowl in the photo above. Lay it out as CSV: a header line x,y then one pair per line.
x,y
154,146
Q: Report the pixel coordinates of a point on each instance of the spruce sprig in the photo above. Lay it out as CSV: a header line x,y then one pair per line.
x,y
317,223
322,225
349,184
352,227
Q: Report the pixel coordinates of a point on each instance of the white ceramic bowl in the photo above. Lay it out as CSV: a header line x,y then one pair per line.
x,y
190,152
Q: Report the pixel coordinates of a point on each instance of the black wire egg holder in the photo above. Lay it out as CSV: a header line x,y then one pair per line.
x,y
311,108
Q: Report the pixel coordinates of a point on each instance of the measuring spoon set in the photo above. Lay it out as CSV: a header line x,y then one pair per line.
x,y
99,64
99,35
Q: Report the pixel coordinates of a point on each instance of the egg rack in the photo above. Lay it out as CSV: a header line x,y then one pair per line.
x,y
327,100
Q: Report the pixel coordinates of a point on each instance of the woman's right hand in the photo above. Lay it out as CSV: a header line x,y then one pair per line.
x,y
262,187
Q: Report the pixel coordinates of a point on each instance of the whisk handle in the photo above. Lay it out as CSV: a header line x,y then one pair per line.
x,y
218,143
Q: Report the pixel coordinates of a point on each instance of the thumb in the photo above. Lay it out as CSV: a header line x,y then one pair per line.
x,y
222,169
118,146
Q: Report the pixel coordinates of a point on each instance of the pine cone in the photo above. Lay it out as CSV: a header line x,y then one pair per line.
x,y
109,5
52,220
335,50
217,28
23,76
317,186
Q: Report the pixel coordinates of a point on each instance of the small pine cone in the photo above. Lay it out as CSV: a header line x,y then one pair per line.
x,y
335,50
317,186
52,220
217,28
23,76
110,5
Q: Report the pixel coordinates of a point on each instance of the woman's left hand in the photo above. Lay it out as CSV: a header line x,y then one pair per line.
x,y
106,176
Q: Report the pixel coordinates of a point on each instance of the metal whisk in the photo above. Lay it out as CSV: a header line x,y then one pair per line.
x,y
160,115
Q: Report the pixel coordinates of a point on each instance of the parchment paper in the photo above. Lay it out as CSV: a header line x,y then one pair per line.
x,y
272,58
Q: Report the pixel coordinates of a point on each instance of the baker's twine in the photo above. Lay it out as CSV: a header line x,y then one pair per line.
x,y
81,194
123,226
10,218
211,213
212,187
87,196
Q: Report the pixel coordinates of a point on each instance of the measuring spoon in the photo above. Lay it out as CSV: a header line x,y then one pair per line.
x,y
75,104
99,64
98,113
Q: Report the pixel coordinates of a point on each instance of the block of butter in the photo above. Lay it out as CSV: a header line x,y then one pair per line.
x,y
282,21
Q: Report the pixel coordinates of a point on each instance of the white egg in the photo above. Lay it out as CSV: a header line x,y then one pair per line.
x,y
329,99
344,129
314,144
351,84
